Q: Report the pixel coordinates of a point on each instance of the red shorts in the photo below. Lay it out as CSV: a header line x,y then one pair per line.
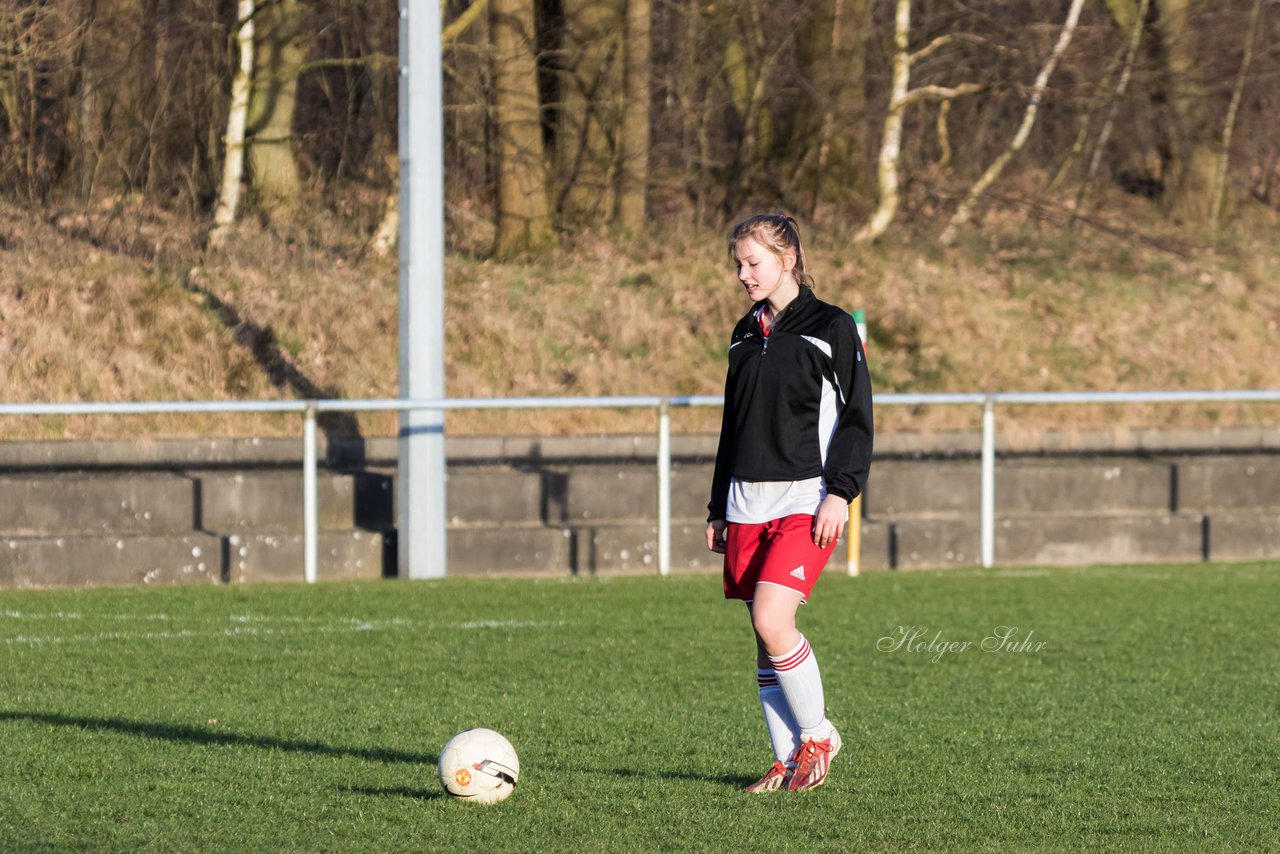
x,y
779,552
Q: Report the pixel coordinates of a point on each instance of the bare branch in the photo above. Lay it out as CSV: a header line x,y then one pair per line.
x,y
930,94
462,23
931,48
965,211
951,38
373,60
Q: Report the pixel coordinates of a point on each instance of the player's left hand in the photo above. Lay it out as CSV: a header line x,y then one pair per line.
x,y
828,523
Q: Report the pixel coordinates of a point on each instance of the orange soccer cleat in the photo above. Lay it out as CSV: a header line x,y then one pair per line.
x,y
812,760
774,779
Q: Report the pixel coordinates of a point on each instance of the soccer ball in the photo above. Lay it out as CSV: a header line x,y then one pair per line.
x,y
480,766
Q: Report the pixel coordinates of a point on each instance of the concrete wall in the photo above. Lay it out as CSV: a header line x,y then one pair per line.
x,y
229,511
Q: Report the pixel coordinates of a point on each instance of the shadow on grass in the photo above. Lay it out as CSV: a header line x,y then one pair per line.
x,y
396,792
737,781
192,735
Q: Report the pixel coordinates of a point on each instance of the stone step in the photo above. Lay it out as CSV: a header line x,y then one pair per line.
x,y
938,542
1243,535
72,504
279,556
132,503
598,494
953,487
194,557
511,550
1064,541
68,505
564,495
907,543
575,550
1228,482
95,559
271,500
608,548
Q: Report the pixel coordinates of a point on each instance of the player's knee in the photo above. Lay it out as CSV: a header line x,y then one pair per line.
x,y
772,628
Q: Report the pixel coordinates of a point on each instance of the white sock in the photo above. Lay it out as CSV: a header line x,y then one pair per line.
x,y
784,735
801,683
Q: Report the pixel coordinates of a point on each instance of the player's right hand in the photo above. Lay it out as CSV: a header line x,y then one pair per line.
x,y
716,536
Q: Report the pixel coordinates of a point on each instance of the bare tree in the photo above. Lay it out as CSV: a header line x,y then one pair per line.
x,y
902,96
233,164
1189,150
1229,126
633,140
746,102
459,25
523,216
88,97
36,77
273,168
965,212
1136,27
589,109
831,59
749,65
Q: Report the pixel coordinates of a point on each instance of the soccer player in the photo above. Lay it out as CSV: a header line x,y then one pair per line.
x,y
795,449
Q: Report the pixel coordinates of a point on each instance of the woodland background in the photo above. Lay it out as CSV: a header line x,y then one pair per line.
x,y
1027,194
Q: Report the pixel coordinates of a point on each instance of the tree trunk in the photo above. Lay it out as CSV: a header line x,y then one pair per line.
x,y
633,142
273,169
1195,150
831,53
1134,23
1228,129
88,114
233,164
11,118
589,110
523,215
748,65
147,97
891,135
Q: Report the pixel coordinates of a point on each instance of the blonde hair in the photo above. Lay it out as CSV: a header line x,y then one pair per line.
x,y
776,232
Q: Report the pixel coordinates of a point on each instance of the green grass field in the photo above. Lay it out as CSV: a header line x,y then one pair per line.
x,y
309,718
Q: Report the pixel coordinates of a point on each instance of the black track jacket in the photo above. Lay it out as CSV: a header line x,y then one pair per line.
x,y
773,419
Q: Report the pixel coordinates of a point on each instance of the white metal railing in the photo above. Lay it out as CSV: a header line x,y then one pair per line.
x,y
309,409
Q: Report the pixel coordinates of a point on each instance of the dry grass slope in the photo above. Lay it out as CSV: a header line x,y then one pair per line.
x,y
117,304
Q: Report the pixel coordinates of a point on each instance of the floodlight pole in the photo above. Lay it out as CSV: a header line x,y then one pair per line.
x,y
421,468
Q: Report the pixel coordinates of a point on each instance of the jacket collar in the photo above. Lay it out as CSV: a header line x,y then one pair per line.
x,y
805,295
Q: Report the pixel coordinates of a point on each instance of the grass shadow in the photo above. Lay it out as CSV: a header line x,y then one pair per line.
x,y
395,792
180,734
732,780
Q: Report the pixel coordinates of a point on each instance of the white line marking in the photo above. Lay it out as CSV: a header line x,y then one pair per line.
x,y
296,625
506,624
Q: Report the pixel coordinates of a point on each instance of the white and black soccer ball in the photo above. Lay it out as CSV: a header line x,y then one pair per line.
x,y
479,766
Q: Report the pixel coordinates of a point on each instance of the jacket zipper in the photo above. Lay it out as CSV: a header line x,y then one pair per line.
x,y
773,327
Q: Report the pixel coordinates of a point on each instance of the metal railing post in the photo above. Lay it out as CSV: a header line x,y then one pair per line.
x,y
664,488
987,519
310,526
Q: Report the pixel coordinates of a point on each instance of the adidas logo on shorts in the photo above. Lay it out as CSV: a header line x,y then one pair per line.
x,y
798,572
